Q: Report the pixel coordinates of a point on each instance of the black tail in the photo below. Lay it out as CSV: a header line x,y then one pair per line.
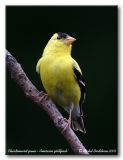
x,y
78,124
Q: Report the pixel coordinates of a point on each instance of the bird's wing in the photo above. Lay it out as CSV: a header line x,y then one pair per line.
x,y
80,79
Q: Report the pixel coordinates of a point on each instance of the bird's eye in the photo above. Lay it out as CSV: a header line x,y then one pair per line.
x,y
62,35
59,35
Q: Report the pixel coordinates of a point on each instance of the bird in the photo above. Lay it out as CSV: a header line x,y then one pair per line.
x,y
62,78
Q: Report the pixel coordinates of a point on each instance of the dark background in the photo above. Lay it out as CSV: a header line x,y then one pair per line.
x,y
27,31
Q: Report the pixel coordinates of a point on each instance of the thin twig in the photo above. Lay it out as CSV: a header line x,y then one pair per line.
x,y
33,94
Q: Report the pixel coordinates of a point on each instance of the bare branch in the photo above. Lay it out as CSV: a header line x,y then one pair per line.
x,y
33,94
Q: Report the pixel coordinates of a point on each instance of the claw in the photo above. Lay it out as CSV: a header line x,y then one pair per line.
x,y
44,97
68,122
68,125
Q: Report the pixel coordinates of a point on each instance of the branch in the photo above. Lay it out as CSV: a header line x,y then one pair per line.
x,y
34,95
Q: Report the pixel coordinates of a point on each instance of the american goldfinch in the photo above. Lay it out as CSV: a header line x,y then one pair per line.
x,y
62,77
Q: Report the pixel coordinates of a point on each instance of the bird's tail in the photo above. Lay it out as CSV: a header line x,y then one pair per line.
x,y
78,124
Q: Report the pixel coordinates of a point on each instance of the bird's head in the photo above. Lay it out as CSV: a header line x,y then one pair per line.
x,y
59,43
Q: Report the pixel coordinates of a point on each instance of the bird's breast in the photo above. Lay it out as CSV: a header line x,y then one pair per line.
x,y
58,80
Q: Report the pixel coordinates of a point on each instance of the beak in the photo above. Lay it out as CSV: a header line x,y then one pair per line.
x,y
69,40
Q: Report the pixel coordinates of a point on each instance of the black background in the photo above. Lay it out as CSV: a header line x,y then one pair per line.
x,y
27,31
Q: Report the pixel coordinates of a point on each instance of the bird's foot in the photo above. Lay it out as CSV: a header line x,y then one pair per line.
x,y
69,121
44,96
68,125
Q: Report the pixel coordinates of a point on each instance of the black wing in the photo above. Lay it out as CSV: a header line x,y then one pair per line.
x,y
81,81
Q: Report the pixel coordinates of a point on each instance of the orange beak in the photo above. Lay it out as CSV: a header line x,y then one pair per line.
x,y
69,40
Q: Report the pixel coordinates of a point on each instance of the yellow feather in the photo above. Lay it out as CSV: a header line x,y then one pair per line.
x,y
58,77
57,74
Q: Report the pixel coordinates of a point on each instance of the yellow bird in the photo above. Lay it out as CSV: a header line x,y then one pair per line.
x,y
62,78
